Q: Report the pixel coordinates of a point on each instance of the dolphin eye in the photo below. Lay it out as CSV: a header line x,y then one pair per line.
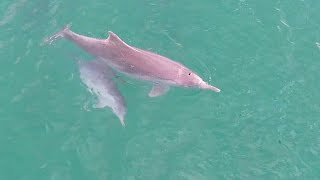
x,y
189,74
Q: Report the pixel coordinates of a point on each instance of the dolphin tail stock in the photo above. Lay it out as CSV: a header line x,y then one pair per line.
x,y
209,87
58,35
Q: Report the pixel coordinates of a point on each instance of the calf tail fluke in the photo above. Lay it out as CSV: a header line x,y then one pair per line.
x,y
58,35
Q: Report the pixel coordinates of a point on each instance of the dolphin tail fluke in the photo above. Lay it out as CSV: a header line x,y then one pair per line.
x,y
58,35
209,87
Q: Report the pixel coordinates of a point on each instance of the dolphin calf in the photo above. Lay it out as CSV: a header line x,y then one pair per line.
x,y
141,64
98,77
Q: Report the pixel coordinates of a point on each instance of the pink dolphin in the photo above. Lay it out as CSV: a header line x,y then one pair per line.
x,y
137,63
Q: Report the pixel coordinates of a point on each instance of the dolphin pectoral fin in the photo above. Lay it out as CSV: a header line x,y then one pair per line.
x,y
158,90
100,104
104,102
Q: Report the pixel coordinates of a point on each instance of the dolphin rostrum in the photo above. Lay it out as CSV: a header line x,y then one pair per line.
x,y
137,63
99,78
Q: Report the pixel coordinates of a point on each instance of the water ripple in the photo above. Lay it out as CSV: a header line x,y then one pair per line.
x,y
11,12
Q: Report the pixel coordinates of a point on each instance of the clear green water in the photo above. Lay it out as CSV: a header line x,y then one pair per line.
x,y
264,55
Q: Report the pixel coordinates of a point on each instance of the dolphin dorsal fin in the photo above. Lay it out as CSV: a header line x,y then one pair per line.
x,y
115,39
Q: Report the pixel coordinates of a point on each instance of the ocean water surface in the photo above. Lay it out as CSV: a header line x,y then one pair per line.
x,y
264,124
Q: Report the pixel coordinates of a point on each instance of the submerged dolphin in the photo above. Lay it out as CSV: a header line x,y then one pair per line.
x,y
136,62
98,77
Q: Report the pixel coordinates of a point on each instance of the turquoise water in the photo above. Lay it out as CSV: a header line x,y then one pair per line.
x,y
264,55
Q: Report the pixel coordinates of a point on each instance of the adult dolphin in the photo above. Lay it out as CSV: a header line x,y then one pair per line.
x,y
138,63
99,78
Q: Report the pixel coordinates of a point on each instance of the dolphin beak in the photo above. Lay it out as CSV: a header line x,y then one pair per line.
x,y
209,87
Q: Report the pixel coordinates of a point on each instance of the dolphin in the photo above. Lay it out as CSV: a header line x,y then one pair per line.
x,y
138,63
98,77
